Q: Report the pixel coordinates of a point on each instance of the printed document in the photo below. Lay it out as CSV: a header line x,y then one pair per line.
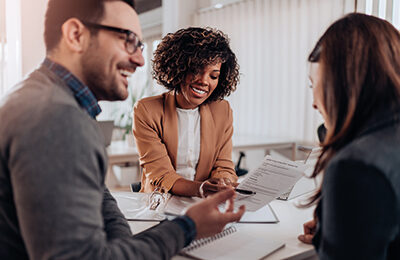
x,y
269,180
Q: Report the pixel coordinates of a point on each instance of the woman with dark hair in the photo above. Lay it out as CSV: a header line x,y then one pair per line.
x,y
184,135
355,74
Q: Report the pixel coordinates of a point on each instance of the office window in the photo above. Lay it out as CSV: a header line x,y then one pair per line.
x,y
385,9
3,41
10,44
272,39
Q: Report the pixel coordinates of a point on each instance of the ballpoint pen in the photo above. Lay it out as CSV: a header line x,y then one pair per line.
x,y
247,192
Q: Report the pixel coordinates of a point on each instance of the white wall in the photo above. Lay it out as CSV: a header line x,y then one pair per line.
x,y
177,14
272,39
32,24
10,61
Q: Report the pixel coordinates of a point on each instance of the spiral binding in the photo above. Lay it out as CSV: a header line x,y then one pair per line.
x,y
203,241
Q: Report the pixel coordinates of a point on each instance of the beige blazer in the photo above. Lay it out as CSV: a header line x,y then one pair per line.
x,y
155,128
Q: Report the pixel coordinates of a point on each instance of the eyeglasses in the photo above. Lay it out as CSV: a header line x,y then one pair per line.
x,y
132,41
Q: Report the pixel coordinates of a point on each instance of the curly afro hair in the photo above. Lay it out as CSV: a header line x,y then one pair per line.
x,y
188,51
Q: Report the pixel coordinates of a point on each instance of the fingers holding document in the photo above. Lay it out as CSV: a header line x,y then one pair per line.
x,y
209,219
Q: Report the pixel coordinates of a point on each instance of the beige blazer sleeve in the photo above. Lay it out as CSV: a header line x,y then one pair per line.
x,y
149,128
156,133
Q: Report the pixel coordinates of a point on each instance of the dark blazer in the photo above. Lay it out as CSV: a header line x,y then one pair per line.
x,y
359,212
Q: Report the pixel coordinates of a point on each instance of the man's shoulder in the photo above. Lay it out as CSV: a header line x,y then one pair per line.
x,y
39,89
32,102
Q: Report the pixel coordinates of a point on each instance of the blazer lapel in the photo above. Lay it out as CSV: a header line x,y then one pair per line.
x,y
207,143
170,127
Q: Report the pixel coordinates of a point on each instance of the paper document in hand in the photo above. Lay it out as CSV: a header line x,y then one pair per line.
x,y
312,160
271,179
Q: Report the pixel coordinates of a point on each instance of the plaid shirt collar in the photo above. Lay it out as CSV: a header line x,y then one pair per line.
x,y
82,93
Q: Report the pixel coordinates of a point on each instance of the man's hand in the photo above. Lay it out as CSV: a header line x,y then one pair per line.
x,y
309,232
207,217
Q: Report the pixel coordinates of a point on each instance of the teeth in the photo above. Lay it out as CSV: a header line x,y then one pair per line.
x,y
201,92
125,73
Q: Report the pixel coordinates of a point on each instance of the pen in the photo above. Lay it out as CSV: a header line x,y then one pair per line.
x,y
248,192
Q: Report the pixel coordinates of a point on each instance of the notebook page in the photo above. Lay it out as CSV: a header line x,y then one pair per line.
x,y
237,245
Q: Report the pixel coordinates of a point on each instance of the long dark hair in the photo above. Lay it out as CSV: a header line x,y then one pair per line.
x,y
359,56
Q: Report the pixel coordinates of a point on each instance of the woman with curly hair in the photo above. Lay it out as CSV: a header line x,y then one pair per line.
x,y
355,75
184,136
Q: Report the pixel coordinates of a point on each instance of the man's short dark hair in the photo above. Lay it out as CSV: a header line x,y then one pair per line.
x,y
59,11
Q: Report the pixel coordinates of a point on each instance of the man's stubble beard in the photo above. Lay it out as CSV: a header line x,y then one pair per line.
x,y
93,71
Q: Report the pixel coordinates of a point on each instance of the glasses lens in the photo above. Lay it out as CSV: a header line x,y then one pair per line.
x,y
132,43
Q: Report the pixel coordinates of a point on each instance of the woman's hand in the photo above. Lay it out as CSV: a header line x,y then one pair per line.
x,y
309,231
214,185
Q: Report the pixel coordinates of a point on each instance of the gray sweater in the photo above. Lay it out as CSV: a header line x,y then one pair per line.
x,y
53,201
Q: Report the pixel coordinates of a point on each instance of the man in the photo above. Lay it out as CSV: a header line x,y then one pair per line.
x,y
53,201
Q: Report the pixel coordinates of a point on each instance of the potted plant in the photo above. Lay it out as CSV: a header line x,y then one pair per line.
x,y
123,114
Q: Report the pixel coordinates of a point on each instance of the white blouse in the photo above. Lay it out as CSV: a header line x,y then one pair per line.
x,y
188,142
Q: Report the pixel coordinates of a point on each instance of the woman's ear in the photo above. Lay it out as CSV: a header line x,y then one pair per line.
x,y
75,35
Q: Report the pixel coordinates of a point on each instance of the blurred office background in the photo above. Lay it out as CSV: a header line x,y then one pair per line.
x,y
271,38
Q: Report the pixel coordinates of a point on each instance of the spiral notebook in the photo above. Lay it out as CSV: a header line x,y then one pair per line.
x,y
232,243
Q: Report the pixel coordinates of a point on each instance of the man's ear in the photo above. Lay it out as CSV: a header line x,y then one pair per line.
x,y
75,35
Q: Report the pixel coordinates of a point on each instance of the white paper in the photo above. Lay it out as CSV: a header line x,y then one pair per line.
x,y
134,206
271,179
177,206
263,215
311,161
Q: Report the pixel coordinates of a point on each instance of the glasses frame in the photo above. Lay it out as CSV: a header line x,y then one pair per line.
x,y
131,38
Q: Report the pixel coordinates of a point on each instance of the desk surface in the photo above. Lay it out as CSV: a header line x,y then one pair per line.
x,y
120,152
290,226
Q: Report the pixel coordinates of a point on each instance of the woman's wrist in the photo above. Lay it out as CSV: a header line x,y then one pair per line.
x,y
201,190
183,187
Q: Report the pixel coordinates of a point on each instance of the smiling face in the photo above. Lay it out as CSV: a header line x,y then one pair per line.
x,y
317,87
197,88
106,65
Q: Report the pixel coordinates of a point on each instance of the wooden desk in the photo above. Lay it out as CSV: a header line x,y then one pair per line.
x,y
290,226
266,143
120,152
